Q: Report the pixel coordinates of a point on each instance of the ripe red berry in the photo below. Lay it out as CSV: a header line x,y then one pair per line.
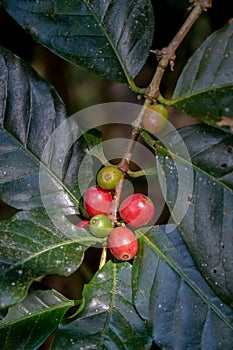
x,y
154,118
97,201
123,243
100,225
108,177
83,224
137,210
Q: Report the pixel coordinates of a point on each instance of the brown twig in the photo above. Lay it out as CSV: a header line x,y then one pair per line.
x,y
167,55
124,167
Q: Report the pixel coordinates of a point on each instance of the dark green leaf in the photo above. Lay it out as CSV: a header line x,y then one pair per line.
x,y
110,38
40,149
28,324
32,246
93,139
205,87
206,225
170,293
107,319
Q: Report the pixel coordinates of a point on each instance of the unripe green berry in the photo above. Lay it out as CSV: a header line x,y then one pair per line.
x,y
108,177
100,226
154,118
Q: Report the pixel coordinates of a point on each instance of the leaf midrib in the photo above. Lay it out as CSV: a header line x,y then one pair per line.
x,y
183,276
195,93
41,252
111,305
114,48
40,164
194,166
37,313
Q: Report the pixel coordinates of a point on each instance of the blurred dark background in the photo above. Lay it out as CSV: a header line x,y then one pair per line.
x,y
79,88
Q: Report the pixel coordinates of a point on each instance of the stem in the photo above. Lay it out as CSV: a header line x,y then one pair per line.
x,y
168,54
124,168
103,258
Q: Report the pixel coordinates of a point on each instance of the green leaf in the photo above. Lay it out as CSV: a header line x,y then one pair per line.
x,y
110,38
41,151
170,293
32,246
206,222
107,318
28,324
205,87
93,139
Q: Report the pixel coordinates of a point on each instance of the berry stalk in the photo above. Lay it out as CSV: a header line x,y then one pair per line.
x,y
123,166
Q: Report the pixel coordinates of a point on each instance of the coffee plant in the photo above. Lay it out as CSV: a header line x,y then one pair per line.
x,y
164,286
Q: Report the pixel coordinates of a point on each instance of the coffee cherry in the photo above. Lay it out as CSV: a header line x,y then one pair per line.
x,y
154,118
100,225
137,210
123,243
108,177
83,224
97,201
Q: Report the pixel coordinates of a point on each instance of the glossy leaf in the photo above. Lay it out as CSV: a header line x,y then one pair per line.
x,y
40,149
32,246
205,87
107,319
206,225
110,38
94,141
170,293
28,324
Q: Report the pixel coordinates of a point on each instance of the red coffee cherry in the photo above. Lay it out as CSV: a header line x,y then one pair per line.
x,y
100,225
97,201
108,177
154,118
83,224
123,243
137,210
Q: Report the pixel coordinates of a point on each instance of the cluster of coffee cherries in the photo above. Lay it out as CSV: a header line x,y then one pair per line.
x,y
135,210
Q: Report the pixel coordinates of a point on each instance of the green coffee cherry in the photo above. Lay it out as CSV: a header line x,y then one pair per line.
x,y
154,118
108,177
100,226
